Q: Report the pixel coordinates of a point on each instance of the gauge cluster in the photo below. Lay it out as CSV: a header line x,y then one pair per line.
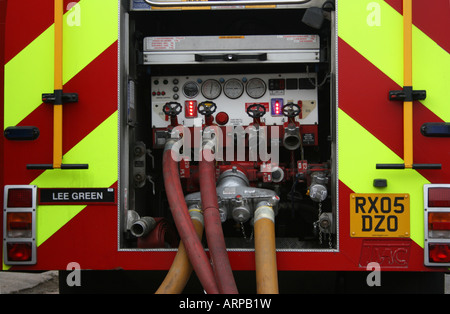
x,y
233,94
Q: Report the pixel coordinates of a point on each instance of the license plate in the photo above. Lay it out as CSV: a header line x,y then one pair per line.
x,y
379,215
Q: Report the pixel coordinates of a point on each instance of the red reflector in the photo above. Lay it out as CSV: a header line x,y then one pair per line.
x,y
439,253
19,252
439,221
20,198
439,197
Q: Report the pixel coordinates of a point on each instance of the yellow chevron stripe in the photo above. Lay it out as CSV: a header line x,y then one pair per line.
x,y
30,73
27,76
359,154
381,44
99,150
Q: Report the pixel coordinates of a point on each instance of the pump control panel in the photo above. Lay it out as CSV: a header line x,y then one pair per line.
x,y
233,95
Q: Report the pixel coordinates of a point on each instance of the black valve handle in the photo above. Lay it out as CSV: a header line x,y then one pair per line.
x,y
291,110
172,108
207,108
256,111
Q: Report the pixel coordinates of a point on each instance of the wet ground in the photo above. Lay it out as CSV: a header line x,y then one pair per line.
x,y
47,287
29,282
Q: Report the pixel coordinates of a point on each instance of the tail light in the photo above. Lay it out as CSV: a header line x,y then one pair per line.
x,y
437,224
19,197
439,197
19,252
19,225
439,253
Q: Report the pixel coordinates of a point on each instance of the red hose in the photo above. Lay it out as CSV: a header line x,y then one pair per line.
x,y
213,228
185,227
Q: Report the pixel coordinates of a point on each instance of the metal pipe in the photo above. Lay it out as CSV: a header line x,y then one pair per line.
x,y
265,250
183,223
181,268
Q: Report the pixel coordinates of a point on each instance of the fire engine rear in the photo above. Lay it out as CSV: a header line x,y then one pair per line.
x,y
235,146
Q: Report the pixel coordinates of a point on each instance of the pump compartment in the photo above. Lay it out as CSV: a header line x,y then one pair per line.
x,y
257,82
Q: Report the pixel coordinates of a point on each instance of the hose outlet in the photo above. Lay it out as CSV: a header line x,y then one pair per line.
x,y
292,139
142,226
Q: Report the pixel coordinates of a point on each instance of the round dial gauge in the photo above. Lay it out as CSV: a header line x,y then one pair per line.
x,y
256,88
233,88
211,89
190,89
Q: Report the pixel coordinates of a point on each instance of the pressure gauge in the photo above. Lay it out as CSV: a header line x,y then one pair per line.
x,y
190,89
211,89
256,88
233,88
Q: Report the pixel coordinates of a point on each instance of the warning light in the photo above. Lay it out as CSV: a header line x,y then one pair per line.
x,y
190,107
276,106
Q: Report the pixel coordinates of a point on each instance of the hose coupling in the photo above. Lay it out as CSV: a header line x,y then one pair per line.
x,y
141,227
196,213
264,210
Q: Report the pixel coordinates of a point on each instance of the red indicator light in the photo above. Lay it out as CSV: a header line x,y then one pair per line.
x,y
439,197
19,252
439,253
190,107
222,118
276,106
20,198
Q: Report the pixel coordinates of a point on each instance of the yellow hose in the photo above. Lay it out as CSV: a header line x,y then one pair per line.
x,y
181,268
265,251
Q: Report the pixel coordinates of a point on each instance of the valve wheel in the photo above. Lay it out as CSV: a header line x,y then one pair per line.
x,y
256,110
172,108
291,110
207,108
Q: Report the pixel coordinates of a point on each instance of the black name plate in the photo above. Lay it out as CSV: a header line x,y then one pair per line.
x,y
77,196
